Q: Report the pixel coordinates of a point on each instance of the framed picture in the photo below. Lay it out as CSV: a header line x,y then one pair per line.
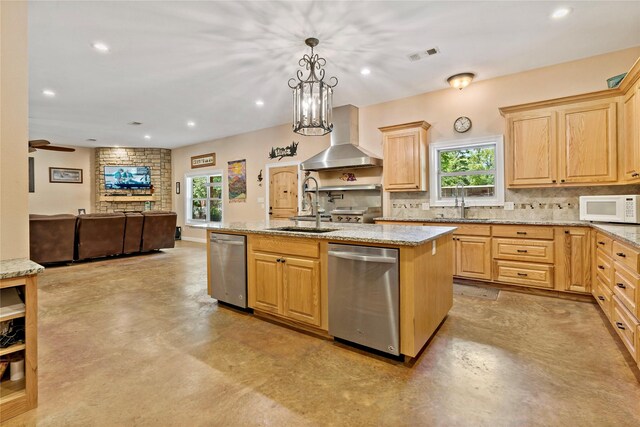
x,y
203,160
32,179
65,175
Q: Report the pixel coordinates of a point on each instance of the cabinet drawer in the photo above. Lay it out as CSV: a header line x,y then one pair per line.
x,y
285,246
626,325
523,250
523,231
464,229
625,287
523,273
604,269
604,243
604,296
625,255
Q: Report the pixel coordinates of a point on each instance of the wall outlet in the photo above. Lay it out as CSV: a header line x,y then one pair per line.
x,y
426,206
509,206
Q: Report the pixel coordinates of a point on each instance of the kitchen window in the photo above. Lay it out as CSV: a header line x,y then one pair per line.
x,y
476,164
204,198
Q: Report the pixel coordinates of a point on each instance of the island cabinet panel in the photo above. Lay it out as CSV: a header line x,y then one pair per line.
x,y
473,257
288,286
532,149
574,271
426,291
301,283
267,294
588,143
405,157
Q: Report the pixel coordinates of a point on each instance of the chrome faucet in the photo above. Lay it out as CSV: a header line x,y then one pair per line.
x,y
317,205
461,205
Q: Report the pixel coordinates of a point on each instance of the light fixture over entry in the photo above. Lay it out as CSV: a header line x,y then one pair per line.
x,y
312,97
460,81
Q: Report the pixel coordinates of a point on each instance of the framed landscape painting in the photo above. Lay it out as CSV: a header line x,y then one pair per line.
x,y
65,175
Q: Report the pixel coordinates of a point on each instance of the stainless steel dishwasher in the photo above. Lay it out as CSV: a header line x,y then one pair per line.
x,y
364,296
228,267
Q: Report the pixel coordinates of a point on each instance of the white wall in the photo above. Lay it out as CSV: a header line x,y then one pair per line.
x,y
56,198
14,117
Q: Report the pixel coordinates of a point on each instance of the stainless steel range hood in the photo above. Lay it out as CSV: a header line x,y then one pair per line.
x,y
344,152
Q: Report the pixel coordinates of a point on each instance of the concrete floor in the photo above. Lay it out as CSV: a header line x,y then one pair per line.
x,y
136,341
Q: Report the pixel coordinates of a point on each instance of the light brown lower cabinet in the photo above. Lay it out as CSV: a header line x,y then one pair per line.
x,y
575,254
284,285
473,257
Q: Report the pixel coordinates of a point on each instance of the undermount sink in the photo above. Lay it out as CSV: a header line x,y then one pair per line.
x,y
304,229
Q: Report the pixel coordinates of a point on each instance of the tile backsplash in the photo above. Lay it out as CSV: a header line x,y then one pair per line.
x,y
530,204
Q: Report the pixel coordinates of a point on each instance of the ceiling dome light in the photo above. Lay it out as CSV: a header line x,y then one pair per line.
x,y
147,137
49,93
365,71
191,124
460,81
312,97
100,47
260,103
560,13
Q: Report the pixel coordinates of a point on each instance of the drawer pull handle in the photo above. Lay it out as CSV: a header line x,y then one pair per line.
x,y
621,285
635,174
620,325
521,232
621,254
601,267
522,251
522,274
601,298
601,243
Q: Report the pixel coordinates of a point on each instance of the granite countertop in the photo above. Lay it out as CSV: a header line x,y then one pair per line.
x,y
18,267
628,233
490,221
401,235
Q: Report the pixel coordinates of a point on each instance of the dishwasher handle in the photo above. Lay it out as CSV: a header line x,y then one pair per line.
x,y
354,256
227,242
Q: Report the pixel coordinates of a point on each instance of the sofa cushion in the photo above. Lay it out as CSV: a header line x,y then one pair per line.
x,y
51,238
132,232
158,230
100,235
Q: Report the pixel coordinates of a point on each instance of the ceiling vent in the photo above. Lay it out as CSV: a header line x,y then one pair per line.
x,y
135,123
432,51
414,57
418,56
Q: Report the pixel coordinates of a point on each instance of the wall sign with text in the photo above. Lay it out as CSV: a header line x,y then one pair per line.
x,y
203,160
281,152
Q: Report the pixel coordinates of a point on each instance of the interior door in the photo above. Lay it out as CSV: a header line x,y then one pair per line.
x,y
283,192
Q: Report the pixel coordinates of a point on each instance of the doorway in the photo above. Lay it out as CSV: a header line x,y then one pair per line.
x,y
283,192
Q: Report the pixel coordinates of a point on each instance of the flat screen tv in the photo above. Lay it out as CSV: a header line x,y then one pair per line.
x,y
127,177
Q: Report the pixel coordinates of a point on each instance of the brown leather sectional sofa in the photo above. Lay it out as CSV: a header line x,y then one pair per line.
x,y
62,238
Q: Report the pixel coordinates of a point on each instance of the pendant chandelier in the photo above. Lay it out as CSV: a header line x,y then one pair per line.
x,y
312,97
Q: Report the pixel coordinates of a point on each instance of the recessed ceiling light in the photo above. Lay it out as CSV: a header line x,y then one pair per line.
x,y
191,123
560,13
259,102
49,93
147,137
100,47
365,71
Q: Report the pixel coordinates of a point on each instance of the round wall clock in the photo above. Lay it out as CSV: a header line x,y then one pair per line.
x,y
462,124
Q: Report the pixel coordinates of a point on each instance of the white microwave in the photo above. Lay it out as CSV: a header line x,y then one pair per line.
x,y
624,209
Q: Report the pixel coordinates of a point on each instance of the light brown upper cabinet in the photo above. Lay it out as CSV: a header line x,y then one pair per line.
x,y
587,142
580,140
631,135
405,156
532,149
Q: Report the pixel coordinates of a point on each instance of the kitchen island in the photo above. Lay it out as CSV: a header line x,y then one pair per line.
x,y
288,273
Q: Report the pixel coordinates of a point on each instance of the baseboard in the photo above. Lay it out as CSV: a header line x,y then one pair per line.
x,y
194,239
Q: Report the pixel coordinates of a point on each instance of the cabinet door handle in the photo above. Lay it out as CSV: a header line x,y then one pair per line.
x,y
566,231
620,325
601,267
521,232
553,181
562,180
621,285
601,243
523,274
522,251
600,297
621,254
635,174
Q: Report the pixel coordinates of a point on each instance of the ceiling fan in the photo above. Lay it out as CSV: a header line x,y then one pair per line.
x,y
43,144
